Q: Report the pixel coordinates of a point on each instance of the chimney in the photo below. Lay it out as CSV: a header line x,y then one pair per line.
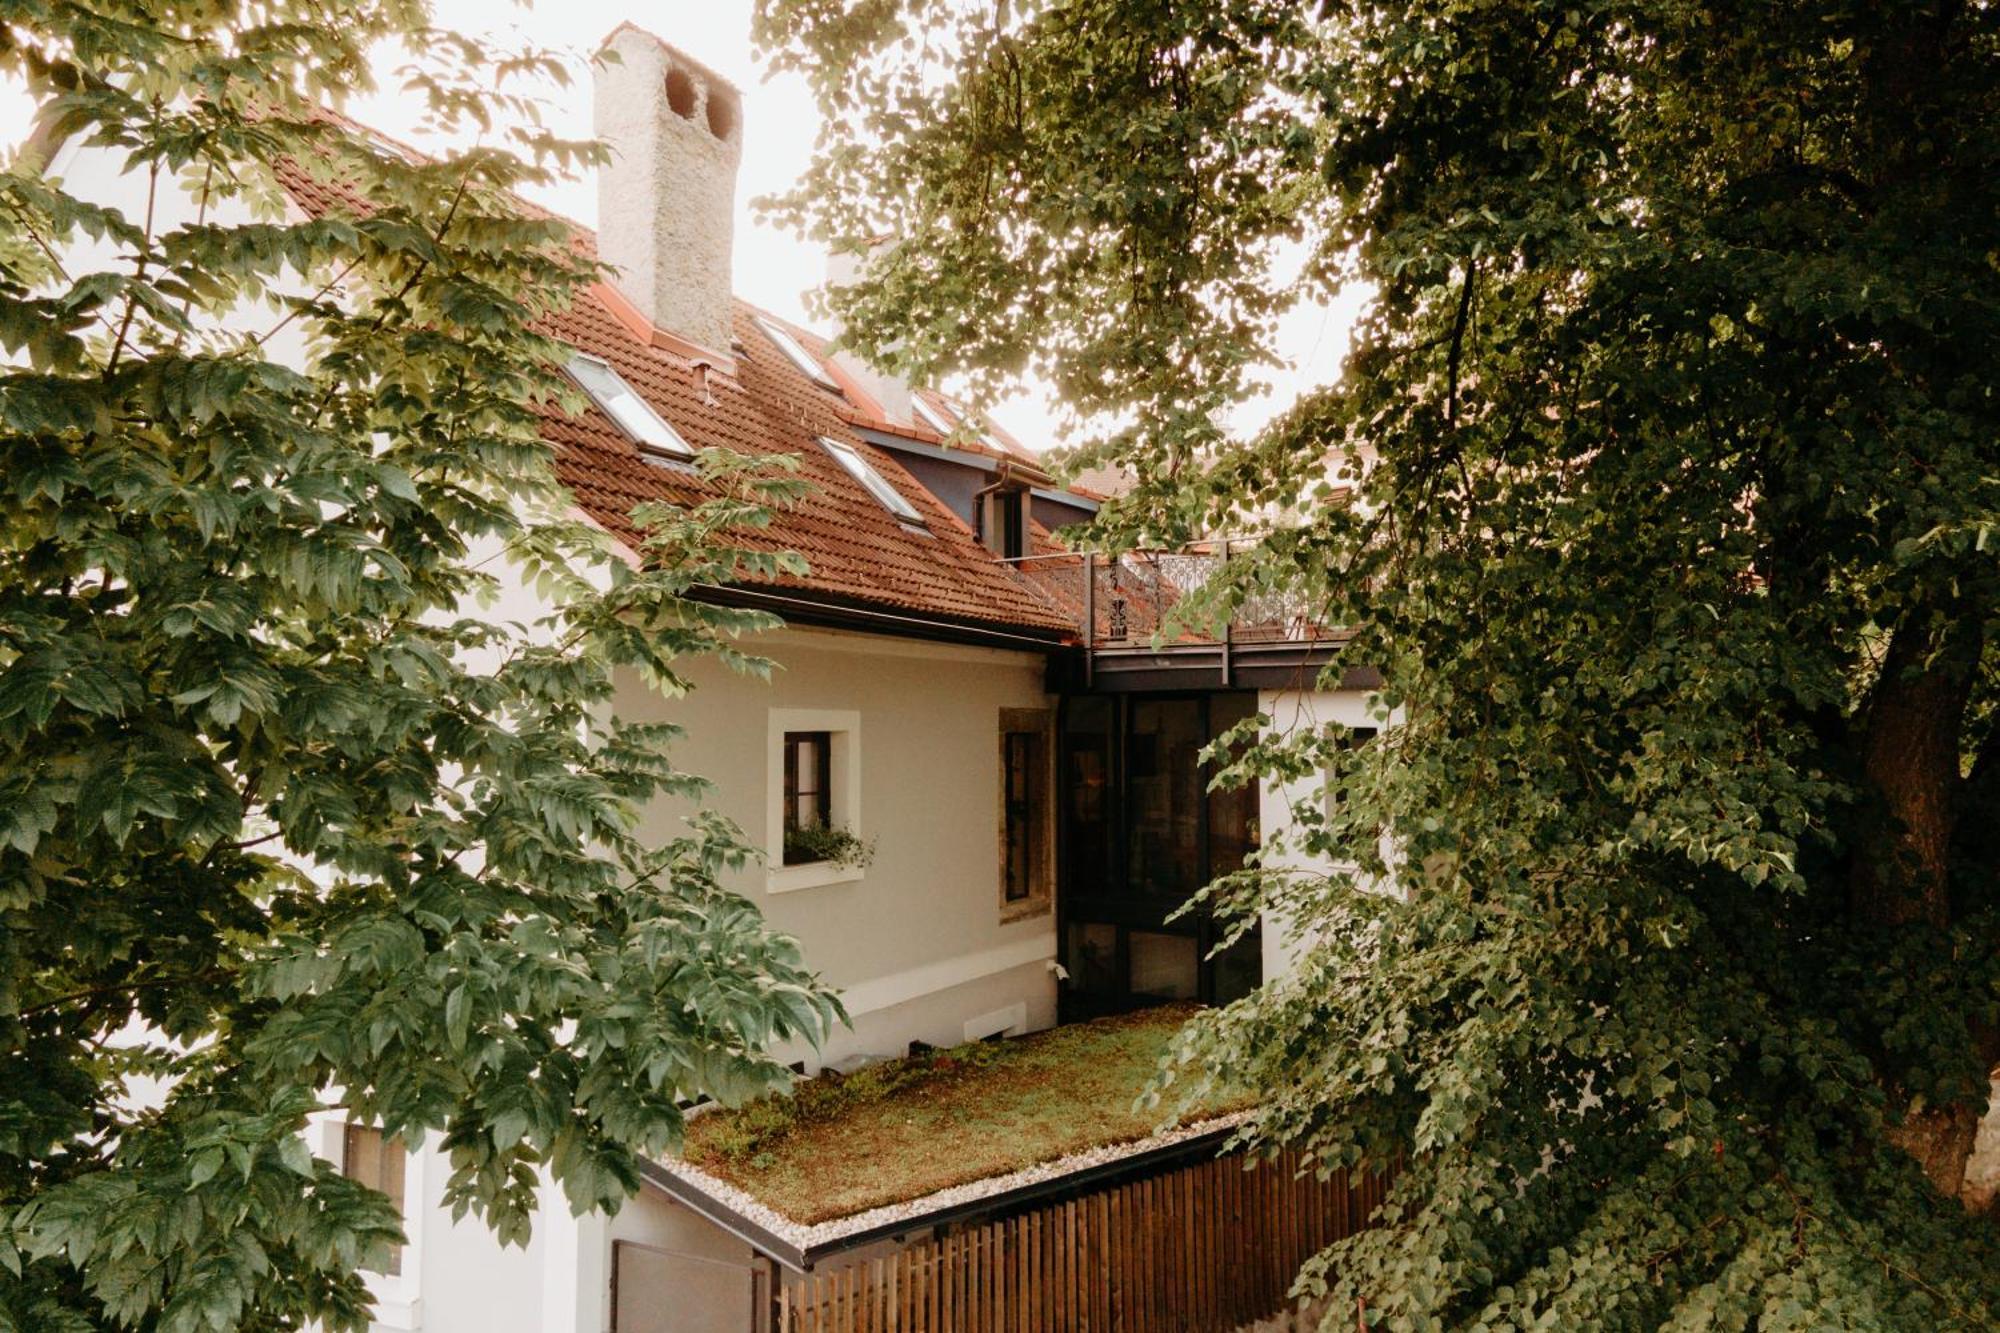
x,y
892,392
666,201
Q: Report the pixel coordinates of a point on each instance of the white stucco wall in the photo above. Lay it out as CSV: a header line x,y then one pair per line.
x,y
916,940
1292,711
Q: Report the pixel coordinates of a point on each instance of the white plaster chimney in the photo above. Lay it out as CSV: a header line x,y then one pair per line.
x,y
891,391
666,202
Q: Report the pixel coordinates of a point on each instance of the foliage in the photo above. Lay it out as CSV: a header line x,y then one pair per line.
x,y
827,842
291,816
1676,556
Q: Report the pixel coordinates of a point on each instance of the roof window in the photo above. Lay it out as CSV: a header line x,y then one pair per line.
x,y
931,416
634,415
878,486
811,366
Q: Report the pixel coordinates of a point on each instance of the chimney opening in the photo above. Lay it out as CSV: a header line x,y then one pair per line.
x,y
681,94
722,114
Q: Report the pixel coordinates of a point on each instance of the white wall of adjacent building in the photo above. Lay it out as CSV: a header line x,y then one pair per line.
x,y
1293,711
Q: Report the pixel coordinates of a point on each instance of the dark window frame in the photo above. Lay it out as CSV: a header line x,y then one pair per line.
x,y
1023,798
820,793
1010,521
1096,893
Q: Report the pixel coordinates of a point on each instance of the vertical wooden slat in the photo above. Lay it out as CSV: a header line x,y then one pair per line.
x,y
948,1283
1197,1238
1063,1249
1149,1240
1114,1242
1151,1280
934,1288
1100,1223
1132,1235
968,1307
1076,1280
1184,1204
1052,1269
1036,1287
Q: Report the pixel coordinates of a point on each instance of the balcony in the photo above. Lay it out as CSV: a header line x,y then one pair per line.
x,y
1143,625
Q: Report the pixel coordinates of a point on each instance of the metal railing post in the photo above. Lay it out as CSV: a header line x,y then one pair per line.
x,y
1228,630
1089,619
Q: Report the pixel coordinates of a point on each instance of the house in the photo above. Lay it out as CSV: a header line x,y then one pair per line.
x,y
975,775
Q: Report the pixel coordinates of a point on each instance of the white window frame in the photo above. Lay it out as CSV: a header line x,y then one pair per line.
x,y
631,413
873,482
795,351
843,729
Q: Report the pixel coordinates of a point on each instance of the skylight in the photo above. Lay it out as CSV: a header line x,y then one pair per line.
x,y
931,416
608,389
794,351
864,472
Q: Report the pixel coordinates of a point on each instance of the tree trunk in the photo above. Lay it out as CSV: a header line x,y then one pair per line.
x,y
1910,756
1901,874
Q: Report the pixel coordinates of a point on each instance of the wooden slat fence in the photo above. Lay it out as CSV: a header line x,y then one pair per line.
x,y
1201,1249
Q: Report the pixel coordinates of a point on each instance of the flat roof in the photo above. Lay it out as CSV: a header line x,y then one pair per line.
x,y
904,1144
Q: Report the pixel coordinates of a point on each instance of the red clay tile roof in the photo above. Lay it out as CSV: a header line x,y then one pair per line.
x,y
858,550
863,410
859,553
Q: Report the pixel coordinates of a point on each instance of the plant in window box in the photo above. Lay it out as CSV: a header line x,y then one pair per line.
x,y
827,842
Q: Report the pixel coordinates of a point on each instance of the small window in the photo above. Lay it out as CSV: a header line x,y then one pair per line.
x,y
931,416
634,415
864,472
1005,524
811,366
808,788
377,1162
1023,813
1026,852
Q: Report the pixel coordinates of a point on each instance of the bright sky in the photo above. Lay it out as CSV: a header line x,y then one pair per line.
x,y
773,268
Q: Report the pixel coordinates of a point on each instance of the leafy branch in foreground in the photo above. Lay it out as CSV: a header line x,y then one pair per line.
x,y
291,813
1676,552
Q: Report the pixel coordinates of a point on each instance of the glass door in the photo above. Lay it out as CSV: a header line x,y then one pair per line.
x,y
1141,835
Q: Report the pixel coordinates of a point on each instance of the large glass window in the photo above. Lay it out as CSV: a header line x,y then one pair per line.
x,y
1232,813
1141,834
1163,795
1088,796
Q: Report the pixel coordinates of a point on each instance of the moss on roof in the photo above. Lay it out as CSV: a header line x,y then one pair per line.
x,y
895,1131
